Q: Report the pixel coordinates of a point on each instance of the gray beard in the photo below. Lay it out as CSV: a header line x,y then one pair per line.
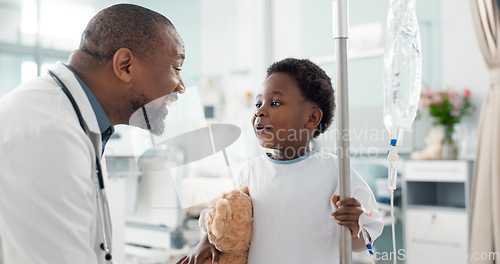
x,y
150,119
156,122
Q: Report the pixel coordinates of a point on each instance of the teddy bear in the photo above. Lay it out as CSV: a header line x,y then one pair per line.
x,y
228,222
434,141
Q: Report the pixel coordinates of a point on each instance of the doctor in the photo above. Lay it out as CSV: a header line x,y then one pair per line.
x,y
128,56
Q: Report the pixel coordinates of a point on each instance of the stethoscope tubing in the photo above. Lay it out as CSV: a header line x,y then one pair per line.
x,y
102,200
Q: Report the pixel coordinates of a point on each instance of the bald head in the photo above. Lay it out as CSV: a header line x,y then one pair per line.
x,y
121,26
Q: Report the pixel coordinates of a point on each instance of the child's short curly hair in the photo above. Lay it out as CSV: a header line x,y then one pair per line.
x,y
314,84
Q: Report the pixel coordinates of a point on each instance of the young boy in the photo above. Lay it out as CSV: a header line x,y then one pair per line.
x,y
293,188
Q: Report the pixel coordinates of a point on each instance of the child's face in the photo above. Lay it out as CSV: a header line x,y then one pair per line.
x,y
282,114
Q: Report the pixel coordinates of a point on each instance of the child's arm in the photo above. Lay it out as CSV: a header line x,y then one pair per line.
x,y
347,214
204,250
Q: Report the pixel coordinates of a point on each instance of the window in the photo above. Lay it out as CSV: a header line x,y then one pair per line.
x,y
15,68
36,34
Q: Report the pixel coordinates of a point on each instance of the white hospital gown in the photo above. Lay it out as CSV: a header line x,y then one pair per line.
x,y
292,206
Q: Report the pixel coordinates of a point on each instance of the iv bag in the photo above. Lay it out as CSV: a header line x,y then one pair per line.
x,y
402,67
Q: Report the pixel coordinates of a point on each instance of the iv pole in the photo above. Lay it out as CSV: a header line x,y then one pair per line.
x,y
340,26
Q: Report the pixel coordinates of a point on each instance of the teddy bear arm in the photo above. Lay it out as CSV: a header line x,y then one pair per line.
x,y
221,218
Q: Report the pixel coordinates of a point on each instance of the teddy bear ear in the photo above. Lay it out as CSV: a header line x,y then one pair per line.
x,y
221,219
245,190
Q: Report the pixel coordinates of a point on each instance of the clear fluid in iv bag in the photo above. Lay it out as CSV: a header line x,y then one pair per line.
x,y
403,66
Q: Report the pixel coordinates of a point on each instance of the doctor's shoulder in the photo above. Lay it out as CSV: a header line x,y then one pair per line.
x,y
32,106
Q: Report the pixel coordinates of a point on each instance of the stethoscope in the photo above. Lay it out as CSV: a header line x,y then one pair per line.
x,y
102,200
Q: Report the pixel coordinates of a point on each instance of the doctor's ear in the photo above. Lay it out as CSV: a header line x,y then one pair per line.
x,y
314,118
122,64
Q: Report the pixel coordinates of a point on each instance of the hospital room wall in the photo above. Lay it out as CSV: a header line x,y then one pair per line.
x,y
451,59
463,66
367,21
317,40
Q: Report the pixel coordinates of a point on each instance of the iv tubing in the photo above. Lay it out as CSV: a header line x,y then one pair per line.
x,y
393,227
392,184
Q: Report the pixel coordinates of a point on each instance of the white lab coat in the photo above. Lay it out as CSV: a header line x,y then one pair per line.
x,y
48,207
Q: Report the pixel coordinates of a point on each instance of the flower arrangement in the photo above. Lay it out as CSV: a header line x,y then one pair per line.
x,y
447,108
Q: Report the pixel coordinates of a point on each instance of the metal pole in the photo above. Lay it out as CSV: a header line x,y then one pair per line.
x,y
268,32
38,44
340,26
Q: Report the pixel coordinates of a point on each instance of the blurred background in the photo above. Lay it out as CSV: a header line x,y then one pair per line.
x,y
229,44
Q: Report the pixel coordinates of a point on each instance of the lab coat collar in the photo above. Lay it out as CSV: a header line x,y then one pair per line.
x,y
69,79
102,118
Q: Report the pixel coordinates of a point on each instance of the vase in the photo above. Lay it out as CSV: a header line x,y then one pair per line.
x,y
449,148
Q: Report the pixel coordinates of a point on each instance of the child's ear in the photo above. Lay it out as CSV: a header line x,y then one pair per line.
x,y
315,116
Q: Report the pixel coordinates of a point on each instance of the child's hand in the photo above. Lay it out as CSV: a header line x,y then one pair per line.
x,y
347,213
